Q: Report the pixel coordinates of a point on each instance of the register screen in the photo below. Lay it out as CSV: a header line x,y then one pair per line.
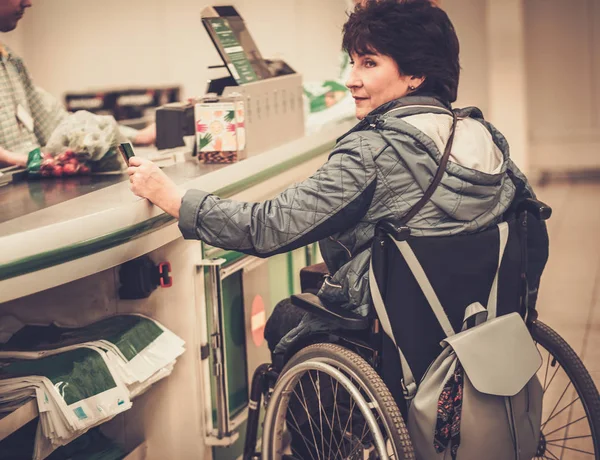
x,y
235,45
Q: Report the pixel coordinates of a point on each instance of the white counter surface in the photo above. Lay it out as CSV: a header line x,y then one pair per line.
x,y
99,222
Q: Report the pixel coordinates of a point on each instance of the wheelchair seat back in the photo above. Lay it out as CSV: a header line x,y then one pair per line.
x,y
461,269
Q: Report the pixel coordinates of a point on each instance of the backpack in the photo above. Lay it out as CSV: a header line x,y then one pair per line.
x,y
480,398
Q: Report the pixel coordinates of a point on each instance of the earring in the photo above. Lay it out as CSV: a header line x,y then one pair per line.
x,y
411,88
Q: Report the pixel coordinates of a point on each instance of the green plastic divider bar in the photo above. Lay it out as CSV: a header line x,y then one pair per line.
x,y
290,272
82,249
85,248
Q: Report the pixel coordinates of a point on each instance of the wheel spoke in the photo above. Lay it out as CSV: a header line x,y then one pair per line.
x,y
344,431
317,388
564,426
323,412
548,451
333,412
299,431
560,412
364,432
571,448
310,447
354,449
551,379
340,443
560,399
340,430
310,419
569,438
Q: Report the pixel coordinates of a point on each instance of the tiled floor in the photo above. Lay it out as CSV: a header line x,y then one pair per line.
x,y
570,298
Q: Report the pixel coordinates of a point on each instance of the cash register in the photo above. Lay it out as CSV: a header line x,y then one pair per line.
x,y
272,91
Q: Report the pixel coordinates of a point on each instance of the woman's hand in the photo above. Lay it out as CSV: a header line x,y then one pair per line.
x,y
148,181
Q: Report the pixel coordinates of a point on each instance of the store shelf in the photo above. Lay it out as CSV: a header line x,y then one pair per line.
x,y
20,417
139,453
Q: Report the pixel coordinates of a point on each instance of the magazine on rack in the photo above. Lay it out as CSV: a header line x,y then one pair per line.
x,y
83,376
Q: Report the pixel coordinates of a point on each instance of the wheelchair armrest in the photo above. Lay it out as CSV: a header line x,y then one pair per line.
x,y
540,210
312,277
341,317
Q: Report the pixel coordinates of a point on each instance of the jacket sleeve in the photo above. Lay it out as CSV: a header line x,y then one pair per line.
x,y
336,197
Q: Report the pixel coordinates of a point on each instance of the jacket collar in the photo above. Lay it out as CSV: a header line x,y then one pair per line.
x,y
419,102
411,104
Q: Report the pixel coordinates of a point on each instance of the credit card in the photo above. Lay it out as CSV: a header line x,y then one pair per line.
x,y
126,150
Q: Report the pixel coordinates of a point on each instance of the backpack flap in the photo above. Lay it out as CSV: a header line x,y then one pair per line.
x,y
499,356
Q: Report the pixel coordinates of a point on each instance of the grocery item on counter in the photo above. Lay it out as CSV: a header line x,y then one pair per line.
x,y
89,135
47,165
220,129
43,164
83,143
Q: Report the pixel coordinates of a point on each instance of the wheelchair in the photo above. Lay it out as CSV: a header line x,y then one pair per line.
x,y
341,394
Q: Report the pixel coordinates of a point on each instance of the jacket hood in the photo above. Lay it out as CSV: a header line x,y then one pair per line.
x,y
475,174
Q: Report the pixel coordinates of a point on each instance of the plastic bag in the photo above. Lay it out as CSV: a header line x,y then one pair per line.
x,y
90,136
83,143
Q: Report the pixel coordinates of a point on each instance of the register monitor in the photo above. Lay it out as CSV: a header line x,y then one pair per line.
x,y
234,43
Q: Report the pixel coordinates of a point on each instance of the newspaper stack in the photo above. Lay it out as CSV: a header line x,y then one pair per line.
x,y
81,377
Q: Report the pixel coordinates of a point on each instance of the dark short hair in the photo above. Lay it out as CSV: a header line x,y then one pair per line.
x,y
418,36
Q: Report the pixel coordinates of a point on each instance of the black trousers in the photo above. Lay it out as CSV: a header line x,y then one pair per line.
x,y
284,318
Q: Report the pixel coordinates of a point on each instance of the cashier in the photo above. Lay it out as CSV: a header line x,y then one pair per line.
x,y
28,114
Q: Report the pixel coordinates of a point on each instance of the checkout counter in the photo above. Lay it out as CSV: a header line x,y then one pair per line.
x,y
63,243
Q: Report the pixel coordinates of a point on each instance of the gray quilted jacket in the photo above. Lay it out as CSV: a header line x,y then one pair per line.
x,y
378,170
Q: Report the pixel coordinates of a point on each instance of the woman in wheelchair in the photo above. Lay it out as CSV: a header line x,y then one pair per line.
x,y
414,166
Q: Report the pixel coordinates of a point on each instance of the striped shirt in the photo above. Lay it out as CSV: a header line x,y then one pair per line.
x,y
17,88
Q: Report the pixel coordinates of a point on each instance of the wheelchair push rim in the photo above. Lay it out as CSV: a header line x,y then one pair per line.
x,y
571,405
360,429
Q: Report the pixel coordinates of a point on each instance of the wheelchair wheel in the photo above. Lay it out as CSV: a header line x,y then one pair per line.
x,y
329,403
571,404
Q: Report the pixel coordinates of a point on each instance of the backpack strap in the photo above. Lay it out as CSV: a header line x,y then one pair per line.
x,y
492,305
409,386
417,270
436,179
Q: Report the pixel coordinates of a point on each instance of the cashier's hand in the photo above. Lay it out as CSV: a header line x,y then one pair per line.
x,y
146,136
8,158
148,181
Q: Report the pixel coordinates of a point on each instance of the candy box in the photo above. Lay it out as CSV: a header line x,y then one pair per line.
x,y
220,131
